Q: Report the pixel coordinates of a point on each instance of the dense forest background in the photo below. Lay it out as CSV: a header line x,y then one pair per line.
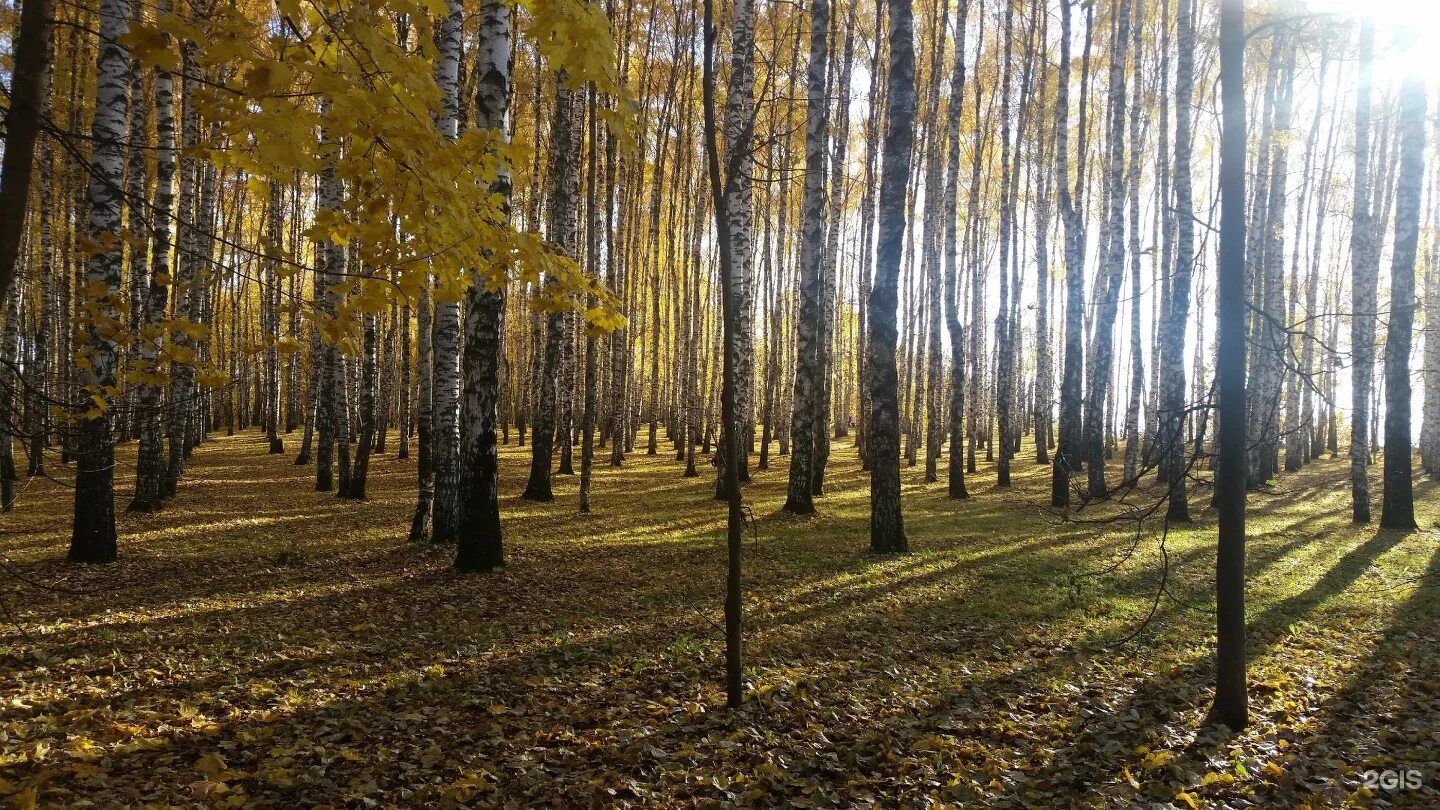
x,y
927,276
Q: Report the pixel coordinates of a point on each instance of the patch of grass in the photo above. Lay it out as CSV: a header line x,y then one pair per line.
x,y
260,643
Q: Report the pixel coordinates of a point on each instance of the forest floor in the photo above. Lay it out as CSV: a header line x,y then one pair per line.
x,y
263,644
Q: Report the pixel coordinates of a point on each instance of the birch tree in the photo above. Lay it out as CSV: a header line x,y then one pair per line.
x,y
93,539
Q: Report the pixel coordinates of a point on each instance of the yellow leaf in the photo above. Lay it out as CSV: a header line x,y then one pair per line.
x,y
1129,778
83,748
1189,799
1157,759
1220,778
210,764
25,799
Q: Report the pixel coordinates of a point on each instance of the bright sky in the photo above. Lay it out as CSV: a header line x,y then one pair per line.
x,y
1395,21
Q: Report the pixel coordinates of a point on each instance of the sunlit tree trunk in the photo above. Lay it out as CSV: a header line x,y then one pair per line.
x,y
1068,439
446,347
1267,356
592,267
799,496
479,544
955,463
136,177
37,406
150,457
887,527
1430,414
1177,310
183,350
831,265
932,228
565,182
1364,266
93,537
1112,264
739,145
1005,348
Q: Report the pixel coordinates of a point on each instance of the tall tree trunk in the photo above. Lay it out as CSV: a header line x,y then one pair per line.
x,y
1137,354
734,657
270,315
1177,309
808,380
1430,415
369,382
1068,441
564,182
1364,266
739,145
479,545
931,260
1268,354
93,538
1230,706
150,458
831,265
29,89
955,463
1397,510
592,267
887,527
446,348
189,265
1112,266
424,414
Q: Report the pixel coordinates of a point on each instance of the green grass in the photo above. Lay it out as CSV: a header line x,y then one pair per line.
x,y
260,643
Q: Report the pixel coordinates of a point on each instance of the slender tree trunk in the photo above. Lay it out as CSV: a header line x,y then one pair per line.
x,y
1177,310
1397,510
446,347
831,265
93,539
150,457
1269,354
739,112
808,380
955,463
479,545
270,295
1112,269
887,528
424,412
931,261
189,266
1230,707
734,656
564,180
1067,453
592,262
1364,265
1430,415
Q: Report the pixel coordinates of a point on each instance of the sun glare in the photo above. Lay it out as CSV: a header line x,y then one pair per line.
x,y
1407,34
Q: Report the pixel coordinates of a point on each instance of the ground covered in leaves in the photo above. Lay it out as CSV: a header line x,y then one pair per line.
x,y
262,644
